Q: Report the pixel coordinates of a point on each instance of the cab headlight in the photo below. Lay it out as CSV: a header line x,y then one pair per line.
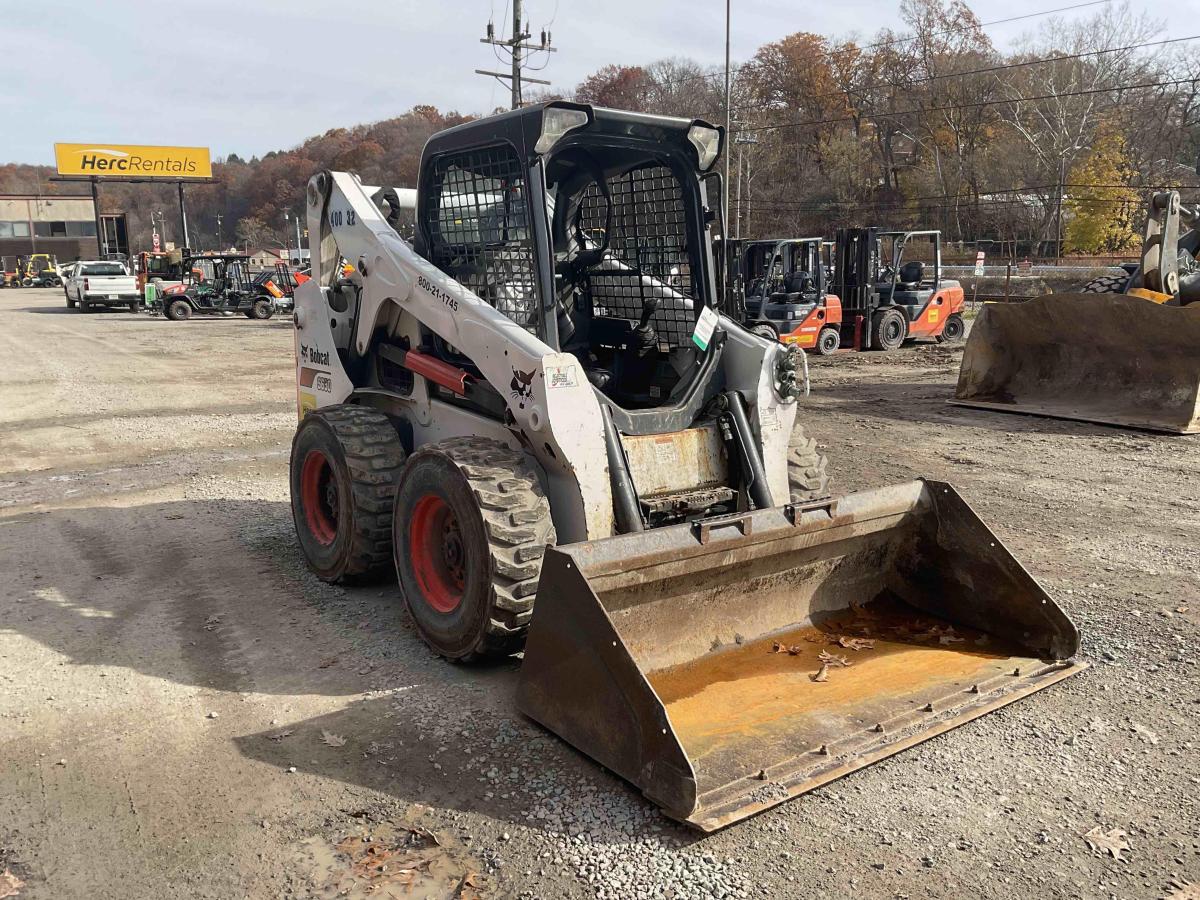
x,y
707,141
557,121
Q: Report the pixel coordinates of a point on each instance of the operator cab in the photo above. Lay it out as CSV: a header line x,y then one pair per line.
x,y
586,226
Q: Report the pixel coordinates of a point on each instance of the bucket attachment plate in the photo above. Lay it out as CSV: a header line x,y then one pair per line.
x,y
1108,358
704,662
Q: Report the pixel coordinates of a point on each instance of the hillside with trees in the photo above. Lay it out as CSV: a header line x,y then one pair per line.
x,y
933,127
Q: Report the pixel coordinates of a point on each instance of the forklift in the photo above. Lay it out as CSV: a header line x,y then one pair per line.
x,y
785,293
891,289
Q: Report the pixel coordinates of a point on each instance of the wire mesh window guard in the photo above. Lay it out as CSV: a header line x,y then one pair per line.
x,y
477,218
647,252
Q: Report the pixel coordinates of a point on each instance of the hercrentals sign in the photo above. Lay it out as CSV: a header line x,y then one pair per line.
x,y
132,161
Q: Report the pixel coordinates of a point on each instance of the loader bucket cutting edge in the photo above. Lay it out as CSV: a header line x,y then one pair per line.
x,y
1107,358
687,659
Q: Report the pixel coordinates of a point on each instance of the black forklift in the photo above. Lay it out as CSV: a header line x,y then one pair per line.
x,y
220,284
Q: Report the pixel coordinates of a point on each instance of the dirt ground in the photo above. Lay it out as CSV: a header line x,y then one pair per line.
x,y
185,712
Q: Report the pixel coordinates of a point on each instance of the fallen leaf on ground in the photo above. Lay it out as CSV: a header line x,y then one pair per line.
x,y
327,662
10,884
831,659
1181,609
332,740
211,622
851,643
822,674
1110,842
469,888
417,835
280,735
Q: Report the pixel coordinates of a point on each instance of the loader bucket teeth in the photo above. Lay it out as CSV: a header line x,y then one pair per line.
x,y
1108,358
726,668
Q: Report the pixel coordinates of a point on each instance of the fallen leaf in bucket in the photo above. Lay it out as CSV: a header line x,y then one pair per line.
x,y
851,643
822,674
830,659
778,648
10,884
1111,842
332,740
950,639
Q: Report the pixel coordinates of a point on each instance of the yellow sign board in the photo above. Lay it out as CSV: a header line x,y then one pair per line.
x,y
132,161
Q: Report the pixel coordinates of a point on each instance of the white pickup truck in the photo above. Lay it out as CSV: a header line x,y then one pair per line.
x,y
100,283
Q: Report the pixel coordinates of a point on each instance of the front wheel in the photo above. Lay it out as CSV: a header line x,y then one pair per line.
x,y
344,466
178,310
828,341
262,309
953,330
808,475
470,527
763,330
1107,284
888,330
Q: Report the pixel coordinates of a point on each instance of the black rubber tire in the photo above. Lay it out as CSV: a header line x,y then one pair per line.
x,y
763,330
953,331
359,457
1107,284
888,330
178,310
828,341
503,526
248,313
84,306
134,306
262,309
70,302
808,475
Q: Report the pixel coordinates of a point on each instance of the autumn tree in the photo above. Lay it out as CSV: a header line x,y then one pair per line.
x,y
1100,209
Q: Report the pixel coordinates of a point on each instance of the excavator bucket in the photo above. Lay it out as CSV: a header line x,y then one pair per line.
x,y
726,666
1110,358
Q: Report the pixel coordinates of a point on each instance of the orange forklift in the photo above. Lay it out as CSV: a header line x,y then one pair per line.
x,y
891,289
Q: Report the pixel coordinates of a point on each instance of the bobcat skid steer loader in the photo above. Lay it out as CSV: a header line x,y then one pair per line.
x,y
537,399
1121,352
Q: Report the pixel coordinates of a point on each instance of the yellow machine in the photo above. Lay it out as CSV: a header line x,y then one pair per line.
x,y
1122,352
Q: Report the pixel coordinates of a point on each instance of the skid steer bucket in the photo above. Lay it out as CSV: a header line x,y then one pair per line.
x,y
1109,358
704,663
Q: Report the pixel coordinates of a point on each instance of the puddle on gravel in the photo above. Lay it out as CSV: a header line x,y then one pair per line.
x,y
391,861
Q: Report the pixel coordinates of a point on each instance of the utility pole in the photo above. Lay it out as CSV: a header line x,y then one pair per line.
x,y
725,247
520,52
299,246
287,233
1058,237
220,242
743,178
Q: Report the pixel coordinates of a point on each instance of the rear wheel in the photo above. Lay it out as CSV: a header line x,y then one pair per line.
x,y
178,310
70,302
345,462
828,341
763,330
953,330
470,527
1107,284
134,306
261,309
888,330
84,306
808,476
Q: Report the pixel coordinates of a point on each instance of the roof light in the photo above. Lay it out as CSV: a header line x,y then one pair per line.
x,y
707,141
557,121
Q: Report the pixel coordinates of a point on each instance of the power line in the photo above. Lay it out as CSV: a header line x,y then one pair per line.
x,y
904,40
513,47
763,126
996,68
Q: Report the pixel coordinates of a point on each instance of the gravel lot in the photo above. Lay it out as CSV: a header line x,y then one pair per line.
x,y
185,712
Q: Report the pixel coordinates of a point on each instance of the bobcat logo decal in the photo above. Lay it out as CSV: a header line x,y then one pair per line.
x,y
522,386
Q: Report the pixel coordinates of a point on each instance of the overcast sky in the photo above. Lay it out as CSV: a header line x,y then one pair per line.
x,y
249,76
